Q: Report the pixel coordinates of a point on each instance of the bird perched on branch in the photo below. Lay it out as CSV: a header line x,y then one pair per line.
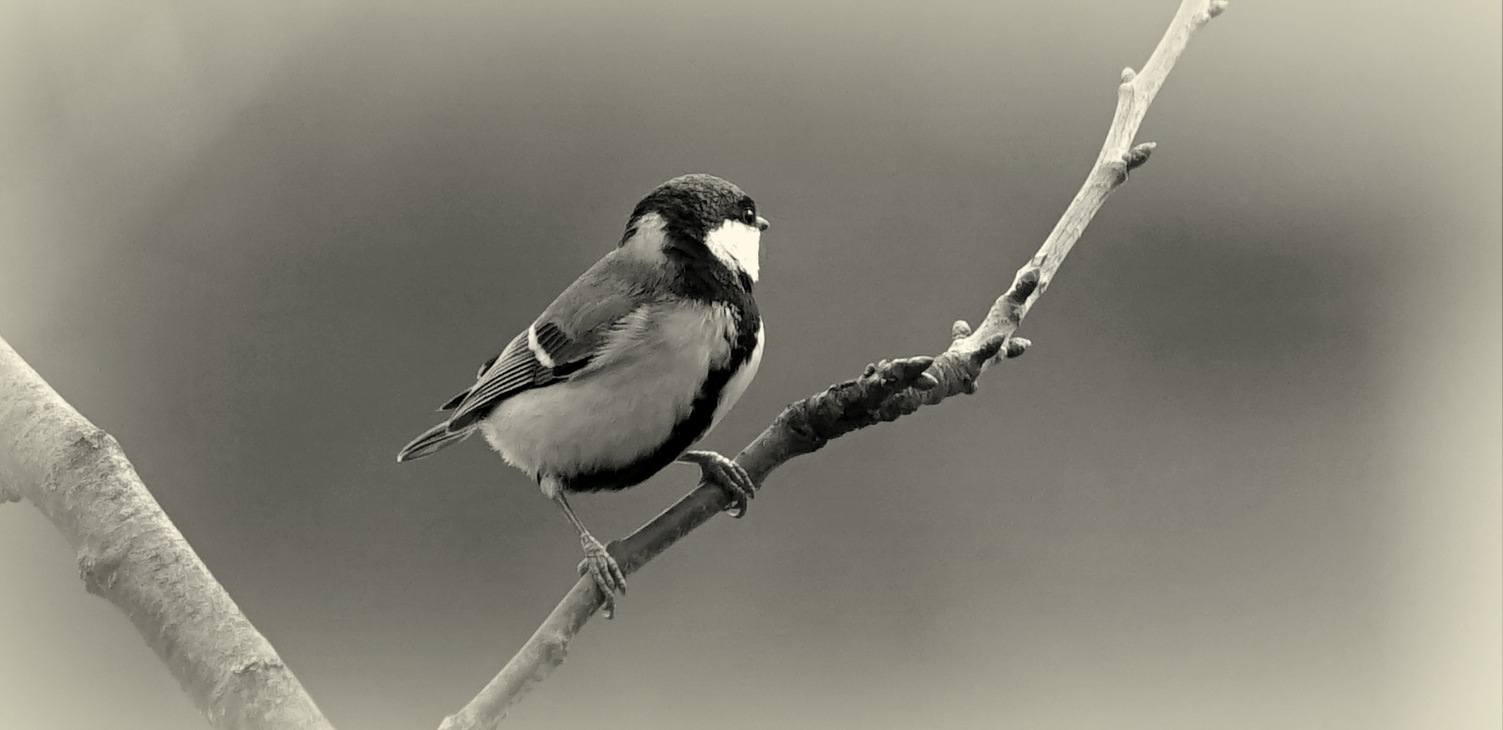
x,y
639,358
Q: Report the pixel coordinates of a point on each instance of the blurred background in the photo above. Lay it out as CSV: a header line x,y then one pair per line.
x,y
1248,477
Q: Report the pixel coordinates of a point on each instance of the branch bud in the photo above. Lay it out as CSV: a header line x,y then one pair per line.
x,y
1138,155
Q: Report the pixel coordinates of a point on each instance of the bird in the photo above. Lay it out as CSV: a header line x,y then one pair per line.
x,y
631,365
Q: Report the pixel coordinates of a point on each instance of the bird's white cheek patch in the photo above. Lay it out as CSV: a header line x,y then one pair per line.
x,y
737,245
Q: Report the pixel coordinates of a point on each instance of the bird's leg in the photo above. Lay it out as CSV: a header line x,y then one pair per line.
x,y
598,562
726,474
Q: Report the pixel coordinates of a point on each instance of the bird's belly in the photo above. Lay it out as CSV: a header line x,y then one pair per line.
x,y
590,424
609,418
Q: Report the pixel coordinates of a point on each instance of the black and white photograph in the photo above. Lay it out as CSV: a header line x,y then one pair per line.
x,y
815,365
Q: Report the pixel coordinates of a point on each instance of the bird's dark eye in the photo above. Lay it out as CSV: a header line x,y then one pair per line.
x,y
749,217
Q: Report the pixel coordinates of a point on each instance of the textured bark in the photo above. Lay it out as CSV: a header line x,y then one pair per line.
x,y
132,555
886,391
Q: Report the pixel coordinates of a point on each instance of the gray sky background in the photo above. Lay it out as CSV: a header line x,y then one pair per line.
x,y
1248,477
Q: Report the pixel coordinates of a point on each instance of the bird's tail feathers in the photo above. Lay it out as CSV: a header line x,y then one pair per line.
x,y
432,440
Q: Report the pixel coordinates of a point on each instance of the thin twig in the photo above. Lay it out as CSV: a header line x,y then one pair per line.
x,y
886,391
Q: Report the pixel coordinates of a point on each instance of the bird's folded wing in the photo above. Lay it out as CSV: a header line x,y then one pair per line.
x,y
552,350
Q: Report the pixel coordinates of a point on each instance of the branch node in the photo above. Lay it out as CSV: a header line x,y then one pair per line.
x,y
906,372
988,350
1128,75
797,420
960,330
1138,155
1028,280
555,649
1117,169
1217,7
1016,346
98,573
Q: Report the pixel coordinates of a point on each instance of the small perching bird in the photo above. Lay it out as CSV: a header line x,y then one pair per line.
x,y
638,359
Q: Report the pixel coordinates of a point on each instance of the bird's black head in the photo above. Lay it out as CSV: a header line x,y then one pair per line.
x,y
701,220
693,205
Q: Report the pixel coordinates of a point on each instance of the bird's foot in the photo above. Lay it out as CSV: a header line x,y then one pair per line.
x,y
726,474
599,564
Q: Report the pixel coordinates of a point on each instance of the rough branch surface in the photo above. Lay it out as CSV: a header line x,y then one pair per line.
x,y
884,392
132,555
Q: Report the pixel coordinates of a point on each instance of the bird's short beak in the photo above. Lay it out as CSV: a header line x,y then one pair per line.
x,y
762,223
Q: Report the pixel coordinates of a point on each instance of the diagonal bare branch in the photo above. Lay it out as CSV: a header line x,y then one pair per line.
x,y
886,391
132,555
